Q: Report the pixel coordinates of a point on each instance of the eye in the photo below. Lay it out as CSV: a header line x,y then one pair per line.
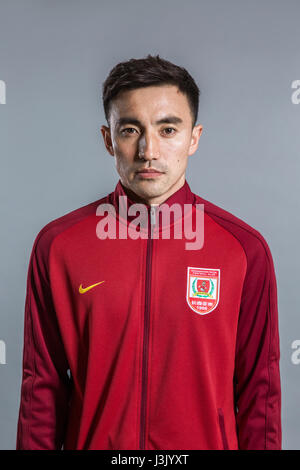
x,y
126,129
169,128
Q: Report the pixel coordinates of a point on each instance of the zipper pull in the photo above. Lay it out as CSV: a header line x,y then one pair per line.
x,y
153,217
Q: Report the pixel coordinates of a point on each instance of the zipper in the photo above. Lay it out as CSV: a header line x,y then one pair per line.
x,y
151,219
222,429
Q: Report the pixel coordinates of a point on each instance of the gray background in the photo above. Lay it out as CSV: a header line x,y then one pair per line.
x,y
54,56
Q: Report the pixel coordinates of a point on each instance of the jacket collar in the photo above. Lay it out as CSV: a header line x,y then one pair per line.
x,y
182,196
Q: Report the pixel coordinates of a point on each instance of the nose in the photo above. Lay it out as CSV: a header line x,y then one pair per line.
x,y
148,147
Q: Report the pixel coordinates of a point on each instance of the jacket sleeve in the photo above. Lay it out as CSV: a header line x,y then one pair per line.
x,y
257,376
45,387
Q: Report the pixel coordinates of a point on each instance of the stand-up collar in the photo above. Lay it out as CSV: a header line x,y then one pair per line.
x,y
182,196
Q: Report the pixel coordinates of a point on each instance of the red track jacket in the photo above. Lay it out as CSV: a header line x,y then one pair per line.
x,y
143,344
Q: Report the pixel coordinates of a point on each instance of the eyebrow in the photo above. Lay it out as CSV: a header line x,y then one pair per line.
x,y
165,120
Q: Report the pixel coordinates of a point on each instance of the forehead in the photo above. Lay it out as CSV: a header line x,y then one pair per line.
x,y
151,101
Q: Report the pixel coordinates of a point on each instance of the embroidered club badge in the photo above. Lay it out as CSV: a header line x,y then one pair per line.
x,y
203,287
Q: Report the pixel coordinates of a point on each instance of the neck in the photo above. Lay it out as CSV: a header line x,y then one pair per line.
x,y
154,201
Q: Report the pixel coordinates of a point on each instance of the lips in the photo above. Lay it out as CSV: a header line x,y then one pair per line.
x,y
149,171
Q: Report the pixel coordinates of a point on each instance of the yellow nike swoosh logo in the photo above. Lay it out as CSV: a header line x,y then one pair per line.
x,y
82,290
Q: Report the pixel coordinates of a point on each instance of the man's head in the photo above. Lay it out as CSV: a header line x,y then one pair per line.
x,y
151,108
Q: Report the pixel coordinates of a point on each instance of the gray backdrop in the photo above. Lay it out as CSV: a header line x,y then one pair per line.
x,y
54,56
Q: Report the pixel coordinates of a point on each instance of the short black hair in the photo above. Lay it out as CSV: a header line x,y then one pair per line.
x,y
149,71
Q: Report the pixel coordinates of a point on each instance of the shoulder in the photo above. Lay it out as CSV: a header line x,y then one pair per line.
x,y
55,227
252,241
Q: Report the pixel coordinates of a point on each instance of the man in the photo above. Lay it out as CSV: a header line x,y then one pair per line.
x,y
133,340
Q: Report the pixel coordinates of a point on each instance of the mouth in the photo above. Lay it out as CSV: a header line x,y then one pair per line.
x,y
149,173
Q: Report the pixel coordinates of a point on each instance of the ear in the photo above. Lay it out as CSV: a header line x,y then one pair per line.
x,y
196,133
107,139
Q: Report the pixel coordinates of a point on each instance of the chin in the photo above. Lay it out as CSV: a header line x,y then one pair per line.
x,y
146,192
150,186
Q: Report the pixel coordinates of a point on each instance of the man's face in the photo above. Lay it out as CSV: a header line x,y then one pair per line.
x,y
151,129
